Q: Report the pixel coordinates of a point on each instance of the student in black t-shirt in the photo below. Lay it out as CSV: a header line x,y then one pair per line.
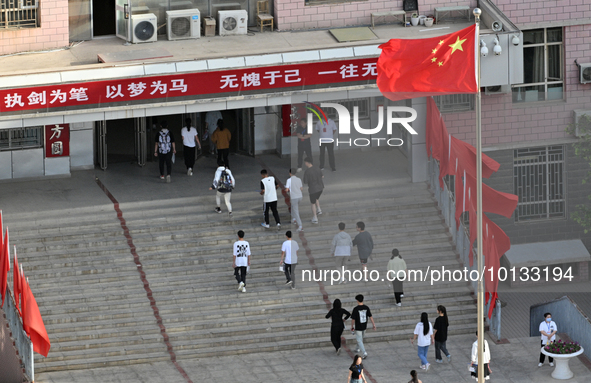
x,y
440,333
338,323
359,318
356,371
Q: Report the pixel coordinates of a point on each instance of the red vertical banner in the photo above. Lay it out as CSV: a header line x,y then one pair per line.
x,y
290,115
57,140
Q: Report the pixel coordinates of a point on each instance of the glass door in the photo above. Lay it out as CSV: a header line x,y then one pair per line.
x,y
141,141
122,19
101,151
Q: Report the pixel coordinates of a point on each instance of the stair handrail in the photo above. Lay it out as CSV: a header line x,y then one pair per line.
x,y
22,342
461,236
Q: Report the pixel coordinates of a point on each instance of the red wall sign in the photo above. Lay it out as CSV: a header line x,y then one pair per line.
x,y
57,140
228,82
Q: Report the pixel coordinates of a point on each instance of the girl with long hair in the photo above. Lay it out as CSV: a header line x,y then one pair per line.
x,y
338,323
424,333
356,371
440,334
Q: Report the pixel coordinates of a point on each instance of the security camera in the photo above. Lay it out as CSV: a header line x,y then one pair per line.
x,y
483,49
515,40
497,49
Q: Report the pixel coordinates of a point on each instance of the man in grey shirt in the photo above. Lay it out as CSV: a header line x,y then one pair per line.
x,y
364,244
313,178
341,250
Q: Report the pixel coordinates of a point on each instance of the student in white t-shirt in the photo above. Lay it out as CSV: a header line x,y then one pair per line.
x,y
294,187
424,333
289,258
548,330
241,260
326,130
269,187
190,140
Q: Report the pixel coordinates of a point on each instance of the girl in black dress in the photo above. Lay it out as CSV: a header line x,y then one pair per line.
x,y
338,323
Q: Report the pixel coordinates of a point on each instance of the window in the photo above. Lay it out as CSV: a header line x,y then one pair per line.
x,y
19,13
21,138
453,103
362,104
543,70
538,175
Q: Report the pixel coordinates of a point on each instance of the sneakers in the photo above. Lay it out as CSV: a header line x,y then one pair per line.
x,y
540,364
293,287
427,367
422,366
300,229
293,221
439,360
279,226
218,210
319,212
299,170
244,289
401,295
230,213
265,225
314,220
365,355
449,358
339,351
189,172
322,168
552,364
398,304
240,286
168,179
162,178
288,282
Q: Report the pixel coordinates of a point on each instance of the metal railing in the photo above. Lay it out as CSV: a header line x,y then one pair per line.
x,y
21,340
461,236
19,13
569,318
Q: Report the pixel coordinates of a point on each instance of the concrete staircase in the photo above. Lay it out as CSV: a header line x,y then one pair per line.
x,y
97,314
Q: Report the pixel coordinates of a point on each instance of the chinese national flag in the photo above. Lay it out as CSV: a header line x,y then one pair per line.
x,y
4,266
33,323
410,68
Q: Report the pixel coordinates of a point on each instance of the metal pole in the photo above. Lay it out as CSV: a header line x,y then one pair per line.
x,y
480,297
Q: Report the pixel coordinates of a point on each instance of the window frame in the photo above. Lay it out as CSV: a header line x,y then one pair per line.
x,y
12,12
464,102
545,44
32,137
551,177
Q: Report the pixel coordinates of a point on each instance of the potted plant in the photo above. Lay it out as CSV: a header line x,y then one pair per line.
x,y
429,21
562,352
414,19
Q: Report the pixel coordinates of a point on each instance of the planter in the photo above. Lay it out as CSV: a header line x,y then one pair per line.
x,y
422,19
562,370
429,22
414,21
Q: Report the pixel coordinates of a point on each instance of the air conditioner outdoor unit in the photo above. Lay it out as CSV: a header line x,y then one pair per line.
x,y
233,22
577,113
497,89
144,28
183,24
585,73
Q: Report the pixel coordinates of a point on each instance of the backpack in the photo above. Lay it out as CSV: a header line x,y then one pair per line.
x,y
164,142
225,182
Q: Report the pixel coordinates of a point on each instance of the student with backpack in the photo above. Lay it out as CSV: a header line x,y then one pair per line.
x,y
164,149
223,183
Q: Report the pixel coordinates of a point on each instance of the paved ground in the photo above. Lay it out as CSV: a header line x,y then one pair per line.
x,y
390,362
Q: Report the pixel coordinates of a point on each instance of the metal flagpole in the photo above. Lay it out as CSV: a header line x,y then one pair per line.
x,y
480,296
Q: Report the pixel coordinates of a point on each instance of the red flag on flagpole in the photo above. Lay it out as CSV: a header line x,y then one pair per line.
x,y
446,64
33,323
16,282
4,267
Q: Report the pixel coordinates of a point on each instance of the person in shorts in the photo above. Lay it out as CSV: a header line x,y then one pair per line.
x,y
313,178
